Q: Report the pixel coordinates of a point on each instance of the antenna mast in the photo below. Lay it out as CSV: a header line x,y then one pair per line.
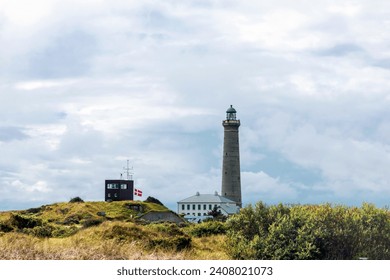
x,y
128,173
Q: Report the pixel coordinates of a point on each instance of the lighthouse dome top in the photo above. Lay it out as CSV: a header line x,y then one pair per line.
x,y
231,114
231,110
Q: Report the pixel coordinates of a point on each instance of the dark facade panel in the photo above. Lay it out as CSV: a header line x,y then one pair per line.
x,y
116,190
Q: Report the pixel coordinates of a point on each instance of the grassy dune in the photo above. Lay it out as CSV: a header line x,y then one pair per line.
x,y
75,231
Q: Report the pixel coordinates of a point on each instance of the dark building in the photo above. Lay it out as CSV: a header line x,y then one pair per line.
x,y
231,175
119,190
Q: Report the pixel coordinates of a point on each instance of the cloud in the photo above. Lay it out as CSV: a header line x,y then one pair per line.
x,y
11,133
69,55
259,186
85,86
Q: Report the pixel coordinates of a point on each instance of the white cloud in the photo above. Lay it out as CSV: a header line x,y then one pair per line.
x,y
259,186
85,85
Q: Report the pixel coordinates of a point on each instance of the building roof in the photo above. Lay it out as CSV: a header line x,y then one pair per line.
x,y
207,198
231,110
230,209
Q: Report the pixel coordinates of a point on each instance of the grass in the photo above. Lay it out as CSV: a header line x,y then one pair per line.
x,y
60,233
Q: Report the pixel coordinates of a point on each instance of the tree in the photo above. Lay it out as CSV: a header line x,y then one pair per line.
x,y
216,214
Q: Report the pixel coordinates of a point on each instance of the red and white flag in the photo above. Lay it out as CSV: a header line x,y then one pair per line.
x,y
137,192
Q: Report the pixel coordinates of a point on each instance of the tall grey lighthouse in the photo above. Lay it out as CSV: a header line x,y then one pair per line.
x,y
231,177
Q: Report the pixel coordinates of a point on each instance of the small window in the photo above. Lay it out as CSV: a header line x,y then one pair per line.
x,y
199,207
193,206
112,186
108,195
204,206
209,206
198,214
188,208
115,194
183,207
123,186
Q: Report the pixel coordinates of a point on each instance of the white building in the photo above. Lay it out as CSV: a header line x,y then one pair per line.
x,y
202,204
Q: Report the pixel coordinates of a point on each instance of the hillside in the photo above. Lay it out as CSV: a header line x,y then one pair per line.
x,y
100,230
117,230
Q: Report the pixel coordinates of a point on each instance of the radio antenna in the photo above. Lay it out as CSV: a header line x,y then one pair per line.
x,y
128,169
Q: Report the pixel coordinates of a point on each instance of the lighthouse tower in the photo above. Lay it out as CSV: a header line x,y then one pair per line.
x,y
231,179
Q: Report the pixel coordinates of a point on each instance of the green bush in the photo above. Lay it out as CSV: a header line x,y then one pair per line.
x,y
207,229
72,219
166,228
62,231
76,200
21,222
34,210
5,227
151,199
177,243
309,232
125,232
43,231
91,222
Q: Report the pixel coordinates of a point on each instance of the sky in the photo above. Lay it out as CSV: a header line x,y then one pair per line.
x,y
87,85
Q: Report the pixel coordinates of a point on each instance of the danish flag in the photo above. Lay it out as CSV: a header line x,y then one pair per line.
x,y
137,192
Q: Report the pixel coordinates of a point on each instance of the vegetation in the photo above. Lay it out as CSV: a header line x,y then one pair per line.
x,y
153,200
217,214
207,228
76,200
309,232
82,231
102,230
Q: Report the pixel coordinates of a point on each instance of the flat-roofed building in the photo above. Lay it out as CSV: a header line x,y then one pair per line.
x,y
202,204
116,190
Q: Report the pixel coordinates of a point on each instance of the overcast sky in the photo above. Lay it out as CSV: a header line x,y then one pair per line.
x,y
86,85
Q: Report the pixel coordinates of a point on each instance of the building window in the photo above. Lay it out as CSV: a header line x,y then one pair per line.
x,y
188,208
108,195
112,186
115,194
199,207
193,206
124,186
182,207
198,214
210,207
204,206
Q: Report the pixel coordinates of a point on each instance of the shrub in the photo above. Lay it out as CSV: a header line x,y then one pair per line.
x,y
21,222
42,231
177,243
5,227
207,229
153,200
76,200
309,232
91,222
166,228
62,232
34,210
125,232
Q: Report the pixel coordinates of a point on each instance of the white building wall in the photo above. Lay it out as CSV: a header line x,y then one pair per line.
x,y
196,209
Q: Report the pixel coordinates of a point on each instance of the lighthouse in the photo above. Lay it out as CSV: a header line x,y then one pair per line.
x,y
231,177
